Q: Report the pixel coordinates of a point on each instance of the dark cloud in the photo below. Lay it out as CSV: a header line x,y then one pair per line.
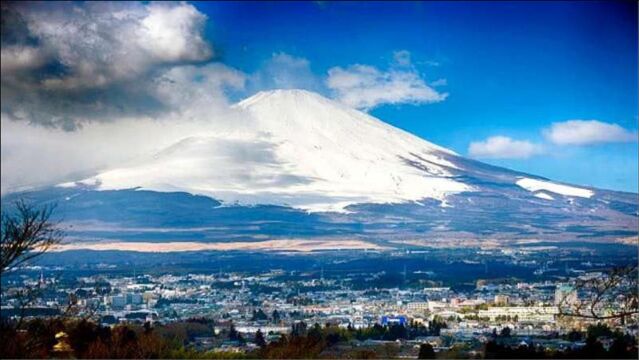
x,y
65,64
14,27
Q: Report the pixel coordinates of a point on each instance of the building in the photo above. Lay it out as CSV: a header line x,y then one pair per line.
x,y
502,300
134,299
434,306
521,313
118,302
417,307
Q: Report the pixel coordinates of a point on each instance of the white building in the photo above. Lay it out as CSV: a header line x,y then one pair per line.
x,y
521,313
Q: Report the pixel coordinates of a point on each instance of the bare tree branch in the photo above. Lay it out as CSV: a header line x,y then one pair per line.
x,y
610,296
27,232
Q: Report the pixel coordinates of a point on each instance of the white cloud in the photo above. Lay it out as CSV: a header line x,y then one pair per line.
x,y
585,132
101,43
365,87
173,33
402,57
503,147
439,82
284,71
189,87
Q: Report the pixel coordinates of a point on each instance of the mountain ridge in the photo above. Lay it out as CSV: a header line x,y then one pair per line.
x,y
300,166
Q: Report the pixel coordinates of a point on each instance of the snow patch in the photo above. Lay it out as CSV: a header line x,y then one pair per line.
x,y
543,195
536,185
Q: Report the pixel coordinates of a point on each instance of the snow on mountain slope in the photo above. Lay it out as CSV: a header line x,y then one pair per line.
x,y
543,195
301,150
536,185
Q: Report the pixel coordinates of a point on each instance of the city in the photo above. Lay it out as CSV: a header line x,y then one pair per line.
x,y
396,309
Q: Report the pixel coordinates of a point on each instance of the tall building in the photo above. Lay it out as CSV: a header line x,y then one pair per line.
x,y
118,302
134,299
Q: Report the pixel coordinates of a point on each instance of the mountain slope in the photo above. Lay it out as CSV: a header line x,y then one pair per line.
x,y
301,150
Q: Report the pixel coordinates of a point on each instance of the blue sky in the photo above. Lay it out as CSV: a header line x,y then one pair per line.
x,y
511,69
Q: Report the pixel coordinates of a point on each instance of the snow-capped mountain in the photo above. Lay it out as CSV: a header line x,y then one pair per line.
x,y
300,150
303,165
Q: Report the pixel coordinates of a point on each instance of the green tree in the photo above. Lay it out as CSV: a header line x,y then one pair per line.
x,y
233,334
505,332
276,316
597,330
259,338
259,315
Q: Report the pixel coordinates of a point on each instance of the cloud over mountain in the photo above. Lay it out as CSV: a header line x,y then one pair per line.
x,y
365,86
284,71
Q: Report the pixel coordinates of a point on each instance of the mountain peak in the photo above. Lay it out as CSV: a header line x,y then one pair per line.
x,y
286,92
286,97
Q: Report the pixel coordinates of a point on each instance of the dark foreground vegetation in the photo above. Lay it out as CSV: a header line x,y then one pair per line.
x,y
67,338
